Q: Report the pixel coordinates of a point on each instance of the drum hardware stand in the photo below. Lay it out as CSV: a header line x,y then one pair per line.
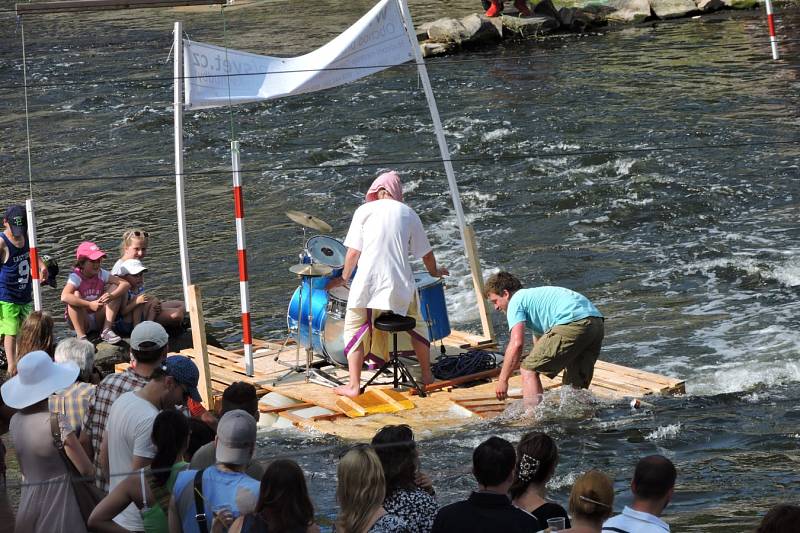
x,y
315,375
296,367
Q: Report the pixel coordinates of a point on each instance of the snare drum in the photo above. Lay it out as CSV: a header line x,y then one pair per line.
x,y
432,305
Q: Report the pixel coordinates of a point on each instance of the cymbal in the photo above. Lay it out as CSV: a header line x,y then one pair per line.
x,y
305,269
309,221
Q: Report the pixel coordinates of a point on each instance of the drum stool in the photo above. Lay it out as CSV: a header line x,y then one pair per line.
x,y
393,324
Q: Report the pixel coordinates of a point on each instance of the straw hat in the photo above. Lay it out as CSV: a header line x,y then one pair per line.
x,y
37,378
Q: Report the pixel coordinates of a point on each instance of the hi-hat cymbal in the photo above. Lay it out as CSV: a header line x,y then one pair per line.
x,y
309,221
305,269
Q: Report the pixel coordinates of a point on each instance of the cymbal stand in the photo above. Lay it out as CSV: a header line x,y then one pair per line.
x,y
292,368
296,366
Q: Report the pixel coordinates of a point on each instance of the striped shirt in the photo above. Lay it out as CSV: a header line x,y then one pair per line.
x,y
107,391
71,404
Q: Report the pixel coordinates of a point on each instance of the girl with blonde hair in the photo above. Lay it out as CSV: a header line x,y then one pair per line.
x,y
360,492
134,246
591,502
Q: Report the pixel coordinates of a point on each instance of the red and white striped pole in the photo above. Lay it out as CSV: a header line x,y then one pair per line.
x,y
773,40
241,248
34,256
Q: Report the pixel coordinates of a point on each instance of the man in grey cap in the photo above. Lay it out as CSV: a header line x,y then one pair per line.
x,y
149,344
224,489
239,395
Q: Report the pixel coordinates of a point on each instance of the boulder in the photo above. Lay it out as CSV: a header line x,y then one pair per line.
x,y
437,49
707,6
629,10
741,4
481,29
529,26
545,8
585,18
670,9
446,30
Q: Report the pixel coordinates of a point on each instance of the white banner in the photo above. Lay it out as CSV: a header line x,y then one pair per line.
x,y
377,41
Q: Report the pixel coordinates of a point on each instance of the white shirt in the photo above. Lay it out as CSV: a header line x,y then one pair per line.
x,y
116,270
632,521
385,232
129,426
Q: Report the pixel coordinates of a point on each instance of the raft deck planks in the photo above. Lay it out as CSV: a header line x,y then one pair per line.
x,y
445,407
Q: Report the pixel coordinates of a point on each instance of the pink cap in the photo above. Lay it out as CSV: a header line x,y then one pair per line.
x,y
89,250
389,181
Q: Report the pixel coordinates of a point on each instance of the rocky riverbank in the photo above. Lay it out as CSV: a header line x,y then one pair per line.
x,y
451,35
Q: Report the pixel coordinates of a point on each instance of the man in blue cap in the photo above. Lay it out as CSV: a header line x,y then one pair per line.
x,y
16,291
127,445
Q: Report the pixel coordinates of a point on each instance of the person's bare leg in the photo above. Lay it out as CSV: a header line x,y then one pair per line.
x,y
10,345
77,316
423,351
172,313
355,359
110,308
532,390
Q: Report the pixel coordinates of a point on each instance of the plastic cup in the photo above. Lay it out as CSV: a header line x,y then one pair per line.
x,y
556,524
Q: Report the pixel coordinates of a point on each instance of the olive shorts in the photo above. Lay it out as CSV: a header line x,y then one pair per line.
x,y
572,347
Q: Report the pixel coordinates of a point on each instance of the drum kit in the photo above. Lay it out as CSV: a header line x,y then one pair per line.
x,y
315,316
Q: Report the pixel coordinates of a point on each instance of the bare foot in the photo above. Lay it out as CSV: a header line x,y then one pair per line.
x,y
428,379
347,390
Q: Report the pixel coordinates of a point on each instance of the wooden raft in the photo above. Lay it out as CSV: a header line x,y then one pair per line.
x,y
449,404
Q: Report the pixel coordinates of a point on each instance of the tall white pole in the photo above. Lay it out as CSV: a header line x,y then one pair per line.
x,y
178,133
241,250
773,40
467,237
34,256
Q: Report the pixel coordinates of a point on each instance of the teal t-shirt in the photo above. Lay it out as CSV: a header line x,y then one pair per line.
x,y
541,308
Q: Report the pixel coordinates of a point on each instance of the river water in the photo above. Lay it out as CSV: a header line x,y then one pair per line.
x,y
654,169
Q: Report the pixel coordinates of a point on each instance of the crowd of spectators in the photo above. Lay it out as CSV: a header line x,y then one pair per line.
x,y
164,464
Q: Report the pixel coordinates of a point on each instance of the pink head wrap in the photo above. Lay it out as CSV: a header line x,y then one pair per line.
x,y
389,181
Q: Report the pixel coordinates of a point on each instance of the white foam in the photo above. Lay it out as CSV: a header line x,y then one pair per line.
x,y
495,135
664,432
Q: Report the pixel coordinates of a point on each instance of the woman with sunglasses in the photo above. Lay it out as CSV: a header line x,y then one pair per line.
x,y
360,491
409,492
134,246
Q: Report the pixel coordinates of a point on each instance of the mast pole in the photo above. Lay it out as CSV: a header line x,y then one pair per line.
x,y
467,235
178,134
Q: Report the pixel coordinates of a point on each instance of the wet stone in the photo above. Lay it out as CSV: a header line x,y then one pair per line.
x,y
668,9
706,6
529,26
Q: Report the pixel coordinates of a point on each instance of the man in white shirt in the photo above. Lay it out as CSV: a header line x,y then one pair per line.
x,y
652,485
382,233
127,445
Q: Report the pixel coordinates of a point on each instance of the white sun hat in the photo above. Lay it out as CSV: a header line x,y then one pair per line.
x,y
37,378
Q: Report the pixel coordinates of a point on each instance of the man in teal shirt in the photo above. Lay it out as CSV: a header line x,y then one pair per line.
x,y
567,334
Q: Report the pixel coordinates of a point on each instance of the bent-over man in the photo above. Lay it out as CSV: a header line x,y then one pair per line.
x,y
567,330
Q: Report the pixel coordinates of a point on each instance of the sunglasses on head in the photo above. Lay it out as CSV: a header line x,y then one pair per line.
x,y
136,233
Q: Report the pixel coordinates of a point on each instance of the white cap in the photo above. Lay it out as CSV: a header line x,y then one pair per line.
x,y
131,267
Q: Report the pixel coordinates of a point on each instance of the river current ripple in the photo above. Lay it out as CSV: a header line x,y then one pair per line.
x,y
585,162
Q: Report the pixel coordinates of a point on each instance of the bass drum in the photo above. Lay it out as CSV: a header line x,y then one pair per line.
x,y
328,320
